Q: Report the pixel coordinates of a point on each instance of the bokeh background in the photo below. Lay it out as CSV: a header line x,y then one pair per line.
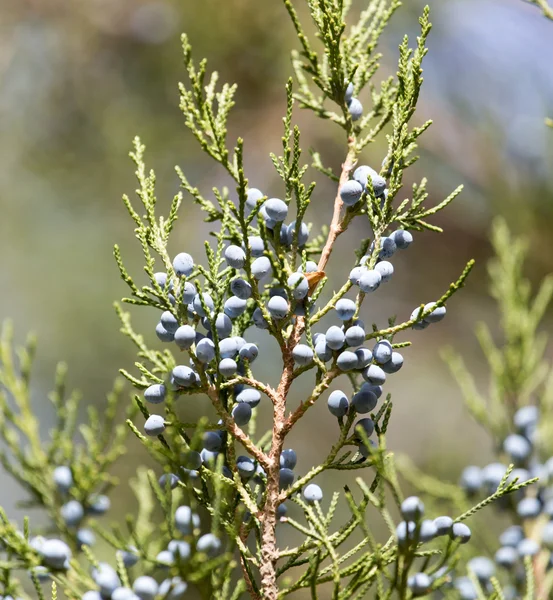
x,y
79,79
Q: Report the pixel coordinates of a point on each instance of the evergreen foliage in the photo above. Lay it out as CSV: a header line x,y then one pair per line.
x,y
207,518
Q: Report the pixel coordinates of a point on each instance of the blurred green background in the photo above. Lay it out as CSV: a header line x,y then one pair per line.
x,y
80,79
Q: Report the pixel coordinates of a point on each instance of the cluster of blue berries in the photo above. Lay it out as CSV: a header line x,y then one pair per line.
x,y
74,512
178,552
143,587
528,505
415,530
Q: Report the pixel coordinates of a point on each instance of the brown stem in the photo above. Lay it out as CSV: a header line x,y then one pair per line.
x,y
336,225
281,425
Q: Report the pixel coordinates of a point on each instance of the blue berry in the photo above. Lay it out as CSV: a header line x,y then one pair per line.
x,y
163,334
367,425
466,589
303,355
161,279
72,513
323,351
205,350
303,234
228,347
405,531
288,459
528,547
460,532
351,192
184,376
419,584
278,307
212,441
245,467
207,300
106,578
338,403
165,559
257,245
282,510
169,321
518,448
276,209
374,374
192,460
286,478
507,557
228,367
382,351
183,264
155,425
355,109
252,198
365,400
235,256
402,238
421,324
299,285
526,418
492,475
345,309
208,458
172,589
412,508
209,544
86,537
335,337
123,593
443,525
63,478
471,479
234,307
168,477
155,394
145,587
185,337
269,223
394,364
180,549
355,274
189,291
242,413
312,493
436,315
129,556
386,270
99,504
241,288
248,352
513,535
387,247
362,173
261,268
369,281
428,531
347,361
364,357
310,267
249,396
348,95
185,520
355,336
223,325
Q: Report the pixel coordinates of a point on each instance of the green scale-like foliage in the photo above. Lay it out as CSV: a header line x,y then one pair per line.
x,y
340,555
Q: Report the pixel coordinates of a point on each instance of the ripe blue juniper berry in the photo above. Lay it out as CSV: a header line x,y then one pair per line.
x,y
222,488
